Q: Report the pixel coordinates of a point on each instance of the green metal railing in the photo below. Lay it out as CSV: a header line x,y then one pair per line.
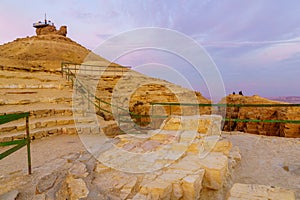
x,y
233,105
123,114
18,143
75,67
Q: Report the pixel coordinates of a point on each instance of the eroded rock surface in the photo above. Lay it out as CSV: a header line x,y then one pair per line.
x,y
262,113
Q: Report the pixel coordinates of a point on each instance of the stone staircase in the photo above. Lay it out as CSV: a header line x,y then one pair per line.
x,y
126,91
48,98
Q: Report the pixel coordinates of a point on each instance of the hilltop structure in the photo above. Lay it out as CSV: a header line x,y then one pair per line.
x,y
47,27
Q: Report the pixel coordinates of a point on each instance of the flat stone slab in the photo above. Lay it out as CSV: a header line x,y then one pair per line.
x,y
12,195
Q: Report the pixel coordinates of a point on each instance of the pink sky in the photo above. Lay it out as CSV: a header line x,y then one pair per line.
x,y
255,44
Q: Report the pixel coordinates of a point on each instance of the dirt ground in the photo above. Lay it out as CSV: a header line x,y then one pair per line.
x,y
266,160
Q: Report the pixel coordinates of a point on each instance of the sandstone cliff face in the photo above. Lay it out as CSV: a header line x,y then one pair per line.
x,y
52,30
262,113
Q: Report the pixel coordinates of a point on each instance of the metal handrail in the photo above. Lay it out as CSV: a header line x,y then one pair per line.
x,y
19,143
236,105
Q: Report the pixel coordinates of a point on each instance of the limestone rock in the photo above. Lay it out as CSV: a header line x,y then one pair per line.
x,y
100,168
112,130
216,167
177,191
50,29
259,192
46,30
39,197
222,145
78,170
12,195
62,31
77,188
192,185
46,183
206,124
157,189
235,154
263,113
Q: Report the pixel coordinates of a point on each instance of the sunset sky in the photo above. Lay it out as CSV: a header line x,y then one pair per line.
x,y
255,44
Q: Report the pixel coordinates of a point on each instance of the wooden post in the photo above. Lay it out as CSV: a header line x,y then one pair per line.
x,y
28,145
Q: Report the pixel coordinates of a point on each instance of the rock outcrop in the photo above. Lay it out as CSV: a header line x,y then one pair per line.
x,y
62,31
51,30
261,113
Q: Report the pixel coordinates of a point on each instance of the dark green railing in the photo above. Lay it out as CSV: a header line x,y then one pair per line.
x,y
234,105
75,67
123,114
18,143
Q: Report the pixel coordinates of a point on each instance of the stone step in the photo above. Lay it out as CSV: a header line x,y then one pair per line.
x,y
36,93
39,115
47,113
39,107
28,100
35,86
37,76
38,123
14,80
55,130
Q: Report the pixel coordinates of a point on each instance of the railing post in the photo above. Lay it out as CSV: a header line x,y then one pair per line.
x,y
28,145
230,119
99,104
68,74
88,98
118,116
62,69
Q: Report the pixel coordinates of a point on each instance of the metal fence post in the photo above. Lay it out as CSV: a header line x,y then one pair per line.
x,y
28,145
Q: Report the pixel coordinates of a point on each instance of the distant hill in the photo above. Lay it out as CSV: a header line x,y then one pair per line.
x,y
43,52
288,99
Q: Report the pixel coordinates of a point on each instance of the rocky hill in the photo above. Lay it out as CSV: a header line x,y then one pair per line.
x,y
262,113
43,52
